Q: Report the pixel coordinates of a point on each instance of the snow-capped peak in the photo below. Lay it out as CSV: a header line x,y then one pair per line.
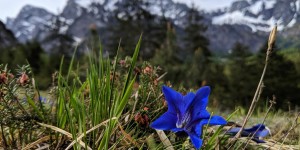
x,y
260,15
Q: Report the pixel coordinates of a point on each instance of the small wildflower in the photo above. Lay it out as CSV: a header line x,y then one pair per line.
x,y
122,62
146,108
3,78
259,131
10,76
24,79
148,70
187,113
142,119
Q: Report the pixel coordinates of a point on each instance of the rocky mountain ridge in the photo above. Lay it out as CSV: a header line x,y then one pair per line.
x,y
7,38
245,21
261,15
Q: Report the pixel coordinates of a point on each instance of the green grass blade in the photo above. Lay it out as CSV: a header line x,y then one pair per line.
x,y
32,104
132,65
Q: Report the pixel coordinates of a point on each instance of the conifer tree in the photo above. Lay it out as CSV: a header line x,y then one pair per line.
x,y
167,56
194,29
242,81
130,21
281,79
196,49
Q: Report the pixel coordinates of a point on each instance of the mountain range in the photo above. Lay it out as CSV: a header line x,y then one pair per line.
x,y
245,21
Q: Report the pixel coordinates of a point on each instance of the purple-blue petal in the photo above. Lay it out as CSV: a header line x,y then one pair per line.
x,y
198,106
173,98
258,130
167,121
214,120
201,99
262,133
187,100
234,130
177,129
258,127
197,113
196,140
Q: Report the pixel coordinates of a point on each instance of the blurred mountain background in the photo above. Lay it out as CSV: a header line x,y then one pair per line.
x,y
224,48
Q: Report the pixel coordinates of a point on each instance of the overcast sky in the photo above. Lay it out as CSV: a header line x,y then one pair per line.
x,y
10,8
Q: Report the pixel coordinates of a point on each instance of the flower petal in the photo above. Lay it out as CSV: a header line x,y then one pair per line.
x,y
167,121
184,116
259,131
199,114
214,120
262,133
173,98
234,131
196,140
187,100
201,99
258,127
177,129
198,106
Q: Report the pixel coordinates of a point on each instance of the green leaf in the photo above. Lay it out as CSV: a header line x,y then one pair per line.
x,y
31,102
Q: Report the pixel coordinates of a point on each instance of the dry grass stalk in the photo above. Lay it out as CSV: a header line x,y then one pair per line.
x,y
127,136
269,145
295,124
272,102
271,42
69,135
39,141
163,137
90,130
136,95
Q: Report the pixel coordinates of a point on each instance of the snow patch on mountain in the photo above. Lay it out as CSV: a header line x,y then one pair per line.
x,y
259,15
256,24
30,22
84,3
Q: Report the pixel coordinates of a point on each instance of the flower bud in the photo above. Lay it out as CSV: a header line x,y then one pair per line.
x,y
142,119
24,79
3,78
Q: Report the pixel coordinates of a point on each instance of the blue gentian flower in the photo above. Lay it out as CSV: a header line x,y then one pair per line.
x,y
258,131
187,113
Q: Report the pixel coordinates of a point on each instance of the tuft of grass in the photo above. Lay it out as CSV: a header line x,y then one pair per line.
x,y
82,106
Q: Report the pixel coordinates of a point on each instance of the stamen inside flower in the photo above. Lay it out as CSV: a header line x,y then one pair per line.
x,y
183,120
